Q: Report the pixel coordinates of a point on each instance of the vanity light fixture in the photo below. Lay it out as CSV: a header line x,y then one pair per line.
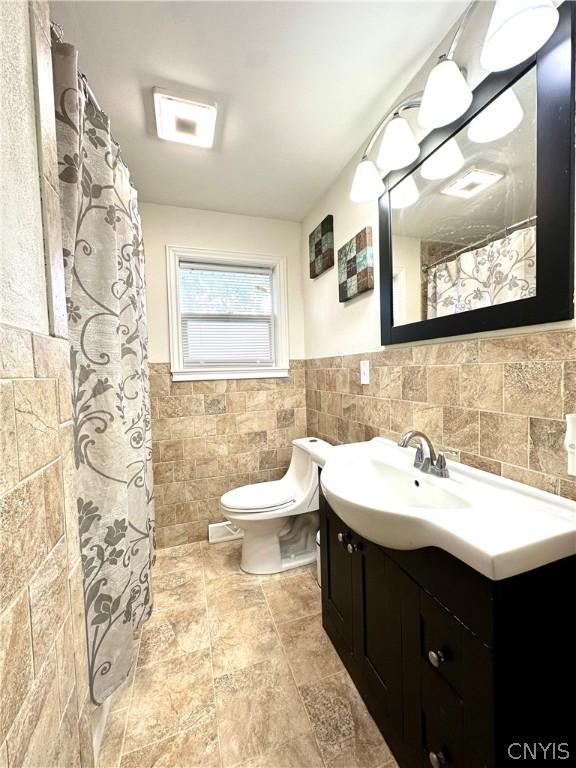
x,y
399,147
367,183
448,159
497,120
517,29
446,96
404,194
184,120
472,183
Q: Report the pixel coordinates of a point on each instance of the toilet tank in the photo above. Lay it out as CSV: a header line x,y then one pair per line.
x,y
308,453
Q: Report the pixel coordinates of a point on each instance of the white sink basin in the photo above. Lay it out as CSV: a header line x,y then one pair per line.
x,y
497,526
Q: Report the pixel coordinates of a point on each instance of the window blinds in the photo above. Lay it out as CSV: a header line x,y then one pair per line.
x,y
226,315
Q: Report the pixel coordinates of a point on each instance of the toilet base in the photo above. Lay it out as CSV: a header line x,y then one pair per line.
x,y
278,544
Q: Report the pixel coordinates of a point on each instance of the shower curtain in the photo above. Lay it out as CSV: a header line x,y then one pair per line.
x,y
501,271
106,299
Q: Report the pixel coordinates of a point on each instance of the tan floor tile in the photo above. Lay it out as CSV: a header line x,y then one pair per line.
x,y
301,752
169,697
258,709
221,559
173,633
195,748
176,590
242,638
230,594
267,578
346,734
182,559
294,598
310,653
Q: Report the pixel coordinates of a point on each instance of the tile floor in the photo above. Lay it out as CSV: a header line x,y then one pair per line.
x,y
236,670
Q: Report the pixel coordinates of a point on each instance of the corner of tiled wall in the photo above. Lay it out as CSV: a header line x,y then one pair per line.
x,y
499,401
212,436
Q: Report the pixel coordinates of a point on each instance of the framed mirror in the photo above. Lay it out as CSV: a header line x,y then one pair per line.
x,y
478,234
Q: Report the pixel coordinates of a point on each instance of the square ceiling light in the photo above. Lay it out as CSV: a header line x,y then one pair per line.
x,y
184,120
472,183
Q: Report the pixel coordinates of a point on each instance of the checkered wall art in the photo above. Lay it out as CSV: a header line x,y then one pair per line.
x,y
356,266
321,247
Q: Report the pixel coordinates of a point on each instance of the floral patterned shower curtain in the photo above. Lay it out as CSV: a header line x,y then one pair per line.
x,y
106,298
501,271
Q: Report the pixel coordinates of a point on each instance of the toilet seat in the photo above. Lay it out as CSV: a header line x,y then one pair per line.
x,y
264,497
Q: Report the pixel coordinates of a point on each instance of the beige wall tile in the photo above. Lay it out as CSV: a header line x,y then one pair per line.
x,y
391,382
22,536
527,476
49,601
8,449
54,503
65,661
504,437
547,453
428,419
481,386
461,429
171,450
52,360
414,383
69,479
79,632
534,389
16,669
444,384
553,345
236,402
3,755
32,740
215,404
16,359
447,353
480,462
569,387
36,424
69,739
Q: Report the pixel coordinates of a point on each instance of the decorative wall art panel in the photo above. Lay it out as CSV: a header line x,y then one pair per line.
x,y
356,266
321,247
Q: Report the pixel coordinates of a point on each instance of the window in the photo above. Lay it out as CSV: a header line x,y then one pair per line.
x,y
227,315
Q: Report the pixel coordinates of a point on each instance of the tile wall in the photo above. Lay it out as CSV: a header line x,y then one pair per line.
x,y
498,401
44,706
212,436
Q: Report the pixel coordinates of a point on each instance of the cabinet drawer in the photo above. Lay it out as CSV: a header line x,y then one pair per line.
x,y
441,642
442,723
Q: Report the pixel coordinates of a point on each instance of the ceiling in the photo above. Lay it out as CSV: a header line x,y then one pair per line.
x,y
300,85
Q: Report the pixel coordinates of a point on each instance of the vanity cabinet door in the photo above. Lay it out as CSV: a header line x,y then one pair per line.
x,y
386,604
337,592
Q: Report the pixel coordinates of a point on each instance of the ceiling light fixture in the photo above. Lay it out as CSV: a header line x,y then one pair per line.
x,y
472,183
399,147
367,183
497,120
404,194
517,29
184,120
445,161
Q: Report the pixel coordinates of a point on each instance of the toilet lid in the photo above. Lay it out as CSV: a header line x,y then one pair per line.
x,y
259,496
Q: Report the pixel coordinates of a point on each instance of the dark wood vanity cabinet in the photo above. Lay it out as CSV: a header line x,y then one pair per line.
x,y
456,669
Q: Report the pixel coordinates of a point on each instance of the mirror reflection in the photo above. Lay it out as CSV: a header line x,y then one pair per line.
x,y
464,221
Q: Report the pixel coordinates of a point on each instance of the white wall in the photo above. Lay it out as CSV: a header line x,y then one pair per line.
x,y
167,225
22,274
354,327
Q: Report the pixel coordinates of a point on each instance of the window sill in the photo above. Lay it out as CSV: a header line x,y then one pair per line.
x,y
209,374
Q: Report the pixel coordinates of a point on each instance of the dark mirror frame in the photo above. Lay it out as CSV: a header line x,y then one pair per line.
x,y
554,298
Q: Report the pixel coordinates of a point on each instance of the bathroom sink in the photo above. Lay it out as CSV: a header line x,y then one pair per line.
x,y
497,526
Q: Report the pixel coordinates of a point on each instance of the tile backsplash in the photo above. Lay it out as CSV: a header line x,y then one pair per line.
x,y
499,402
212,436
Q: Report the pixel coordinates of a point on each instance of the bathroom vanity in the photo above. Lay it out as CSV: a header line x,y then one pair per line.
x,y
456,667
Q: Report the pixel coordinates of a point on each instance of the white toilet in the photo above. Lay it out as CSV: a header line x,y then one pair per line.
x,y
279,519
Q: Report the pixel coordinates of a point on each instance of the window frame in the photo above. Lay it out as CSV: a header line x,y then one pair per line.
x,y
177,254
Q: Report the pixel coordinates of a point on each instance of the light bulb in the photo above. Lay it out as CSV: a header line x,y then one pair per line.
x,y
399,146
367,184
404,194
517,29
499,119
446,96
444,162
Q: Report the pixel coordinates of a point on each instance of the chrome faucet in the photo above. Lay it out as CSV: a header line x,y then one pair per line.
x,y
425,459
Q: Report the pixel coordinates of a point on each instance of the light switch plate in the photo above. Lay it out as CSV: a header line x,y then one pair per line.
x,y
364,371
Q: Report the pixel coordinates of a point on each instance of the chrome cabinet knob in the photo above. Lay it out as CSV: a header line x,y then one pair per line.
x,y
341,537
437,759
436,658
351,548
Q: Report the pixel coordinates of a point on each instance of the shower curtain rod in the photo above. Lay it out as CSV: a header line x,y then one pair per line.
x,y
57,34
443,259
